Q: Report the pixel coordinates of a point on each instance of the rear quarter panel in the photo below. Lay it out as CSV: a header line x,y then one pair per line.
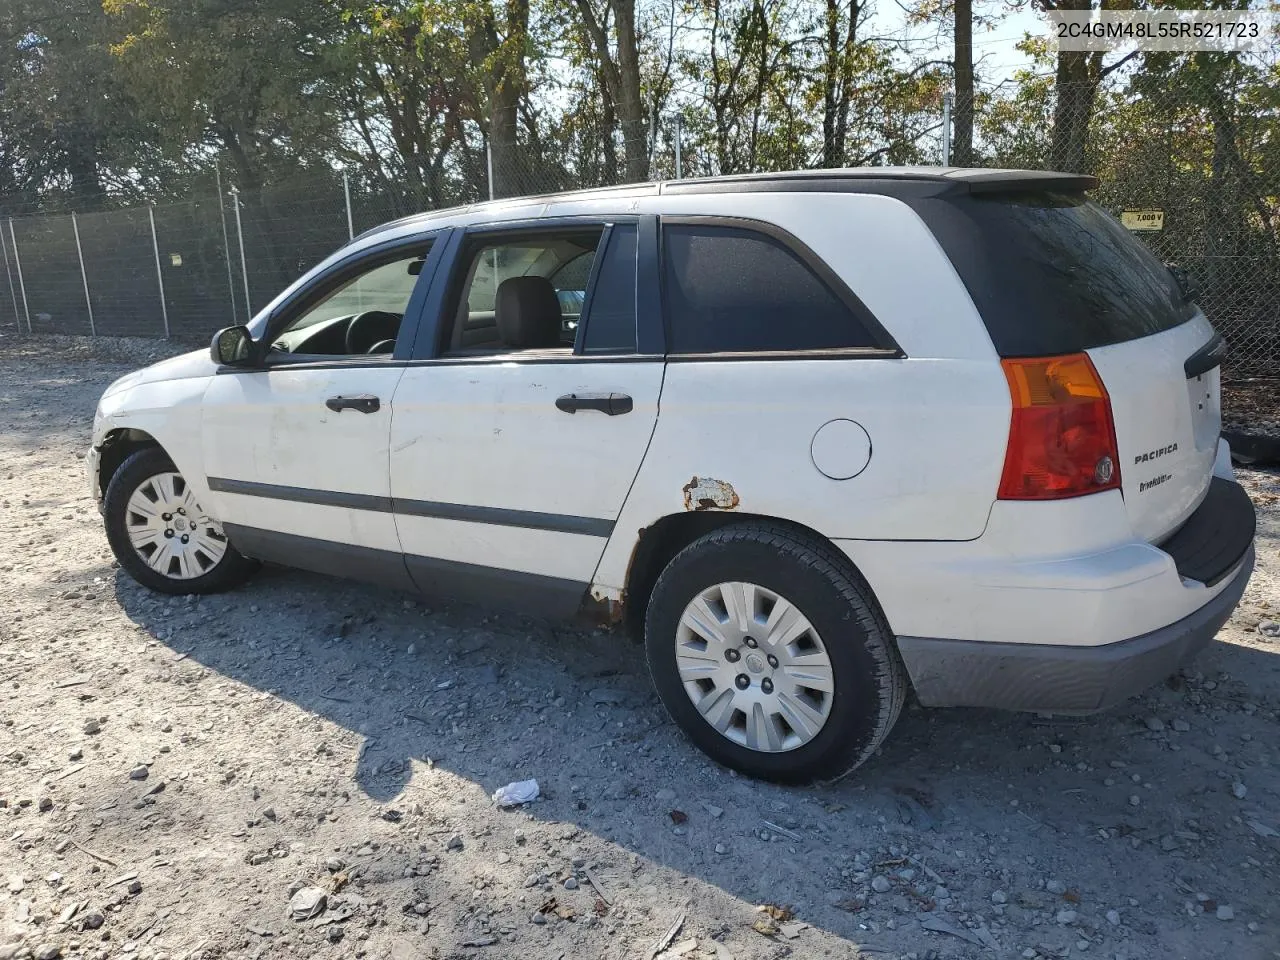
x,y
937,420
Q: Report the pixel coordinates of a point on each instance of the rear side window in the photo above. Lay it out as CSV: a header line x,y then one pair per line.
x,y
1053,272
735,290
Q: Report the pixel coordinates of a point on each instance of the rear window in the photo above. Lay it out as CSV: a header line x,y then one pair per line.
x,y
1053,272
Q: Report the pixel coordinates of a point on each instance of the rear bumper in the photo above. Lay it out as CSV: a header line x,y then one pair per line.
x,y
1060,678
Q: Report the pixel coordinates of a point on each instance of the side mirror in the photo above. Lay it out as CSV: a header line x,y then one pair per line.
x,y
232,347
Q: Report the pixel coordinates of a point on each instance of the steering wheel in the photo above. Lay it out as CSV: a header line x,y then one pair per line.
x,y
369,331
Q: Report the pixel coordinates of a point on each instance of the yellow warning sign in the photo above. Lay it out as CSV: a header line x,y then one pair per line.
x,y
1143,219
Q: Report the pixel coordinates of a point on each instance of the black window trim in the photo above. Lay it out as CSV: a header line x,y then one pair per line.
x,y
602,249
883,345
437,324
584,323
342,271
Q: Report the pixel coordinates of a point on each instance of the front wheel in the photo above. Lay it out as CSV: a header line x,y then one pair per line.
x,y
160,534
771,653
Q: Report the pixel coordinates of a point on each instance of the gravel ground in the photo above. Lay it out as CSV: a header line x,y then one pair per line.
x,y
1251,419
177,776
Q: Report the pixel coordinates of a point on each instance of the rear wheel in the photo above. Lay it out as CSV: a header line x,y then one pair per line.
x,y
772,655
162,536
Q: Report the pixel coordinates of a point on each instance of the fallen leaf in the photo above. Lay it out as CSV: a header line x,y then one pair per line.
x,y
678,817
781,914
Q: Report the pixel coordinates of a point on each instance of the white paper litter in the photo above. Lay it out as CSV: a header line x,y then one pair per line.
x,y
514,794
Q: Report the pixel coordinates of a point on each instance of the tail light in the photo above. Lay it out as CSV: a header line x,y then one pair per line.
x,y
1062,441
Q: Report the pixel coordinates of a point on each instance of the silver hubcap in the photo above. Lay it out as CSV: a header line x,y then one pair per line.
x,y
755,667
169,530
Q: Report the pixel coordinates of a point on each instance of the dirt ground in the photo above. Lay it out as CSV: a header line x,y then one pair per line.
x,y
1251,419
172,772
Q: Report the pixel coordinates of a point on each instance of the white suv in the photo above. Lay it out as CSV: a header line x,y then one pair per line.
x,y
815,436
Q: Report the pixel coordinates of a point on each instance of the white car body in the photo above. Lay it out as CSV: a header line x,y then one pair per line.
x,y
470,475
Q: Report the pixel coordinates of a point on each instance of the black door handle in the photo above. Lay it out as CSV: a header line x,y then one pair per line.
x,y
608,403
362,404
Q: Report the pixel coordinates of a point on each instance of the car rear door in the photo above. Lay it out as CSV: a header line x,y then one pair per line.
x,y
510,461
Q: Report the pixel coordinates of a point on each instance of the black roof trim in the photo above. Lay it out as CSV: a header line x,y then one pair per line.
x,y
905,182
890,186
1043,181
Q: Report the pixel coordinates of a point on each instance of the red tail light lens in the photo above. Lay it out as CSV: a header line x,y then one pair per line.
x,y
1062,441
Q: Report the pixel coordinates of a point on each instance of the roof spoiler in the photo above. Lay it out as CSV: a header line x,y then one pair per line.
x,y
1001,181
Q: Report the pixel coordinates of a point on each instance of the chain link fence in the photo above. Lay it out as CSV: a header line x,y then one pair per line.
x,y
1191,176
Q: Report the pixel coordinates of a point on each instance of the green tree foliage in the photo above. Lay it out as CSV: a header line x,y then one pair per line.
x,y
435,102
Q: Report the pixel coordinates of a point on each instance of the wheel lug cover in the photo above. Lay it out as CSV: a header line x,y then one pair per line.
x,y
733,656
766,685
773,661
743,681
750,642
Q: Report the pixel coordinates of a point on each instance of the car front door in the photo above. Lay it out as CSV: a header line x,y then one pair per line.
x,y
517,433
296,448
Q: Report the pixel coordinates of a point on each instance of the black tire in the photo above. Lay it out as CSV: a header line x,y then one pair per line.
x,y
229,571
870,683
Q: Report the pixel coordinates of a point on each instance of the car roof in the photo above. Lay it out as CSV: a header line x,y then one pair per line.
x,y
889,181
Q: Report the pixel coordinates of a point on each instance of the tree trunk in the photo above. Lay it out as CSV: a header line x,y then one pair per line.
x,y
504,79
608,149
836,79
1076,89
962,115
630,101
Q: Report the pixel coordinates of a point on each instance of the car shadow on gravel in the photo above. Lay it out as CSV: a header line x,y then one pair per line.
x,y
496,698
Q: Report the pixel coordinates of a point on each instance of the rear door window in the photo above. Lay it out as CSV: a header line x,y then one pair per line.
x,y
1054,273
737,290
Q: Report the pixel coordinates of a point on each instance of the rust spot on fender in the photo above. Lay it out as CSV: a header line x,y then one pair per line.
x,y
603,607
704,493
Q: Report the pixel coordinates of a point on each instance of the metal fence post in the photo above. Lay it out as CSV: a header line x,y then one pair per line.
x,y
946,129
17,317
226,243
653,136
155,246
244,266
84,277
679,170
488,162
346,193
22,284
